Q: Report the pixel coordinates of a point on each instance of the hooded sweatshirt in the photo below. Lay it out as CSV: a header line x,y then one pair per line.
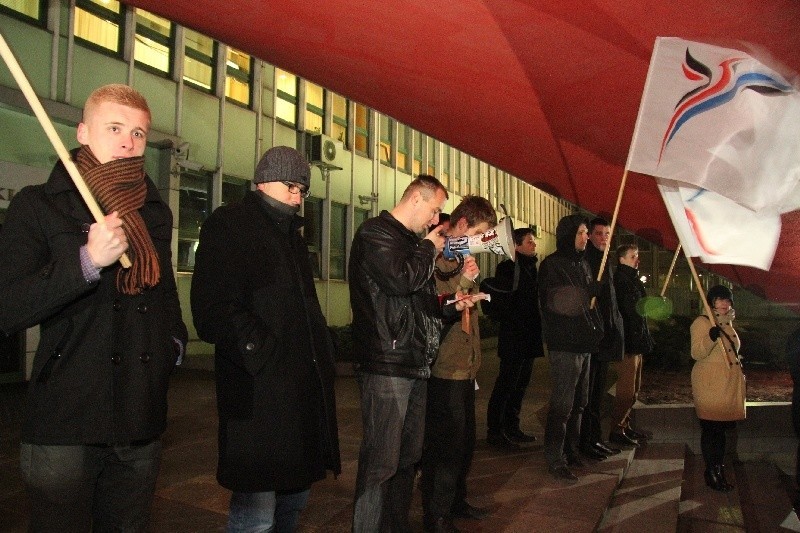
x,y
565,285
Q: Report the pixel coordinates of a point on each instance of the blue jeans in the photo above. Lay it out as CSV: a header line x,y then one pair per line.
x,y
90,488
393,418
265,512
569,381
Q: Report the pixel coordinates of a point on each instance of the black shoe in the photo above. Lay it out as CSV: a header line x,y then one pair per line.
x,y
621,438
465,510
590,452
575,460
517,435
720,469
442,524
715,481
638,435
563,473
606,449
501,440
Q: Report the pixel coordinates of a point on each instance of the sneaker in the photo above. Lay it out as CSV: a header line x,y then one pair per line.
x,y
623,439
576,461
563,473
464,509
501,440
517,435
638,435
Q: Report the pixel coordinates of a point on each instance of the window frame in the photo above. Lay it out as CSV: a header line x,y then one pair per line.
x,y
200,57
107,15
235,73
292,99
153,35
39,20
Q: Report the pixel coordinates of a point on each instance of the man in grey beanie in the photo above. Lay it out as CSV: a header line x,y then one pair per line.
x,y
253,297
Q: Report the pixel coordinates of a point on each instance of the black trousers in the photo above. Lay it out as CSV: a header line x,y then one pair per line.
x,y
505,403
712,441
591,431
449,444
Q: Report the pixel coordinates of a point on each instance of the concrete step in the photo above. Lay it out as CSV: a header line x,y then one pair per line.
x,y
764,492
648,497
703,509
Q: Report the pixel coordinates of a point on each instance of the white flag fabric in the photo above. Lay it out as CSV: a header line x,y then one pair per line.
x,y
718,230
720,120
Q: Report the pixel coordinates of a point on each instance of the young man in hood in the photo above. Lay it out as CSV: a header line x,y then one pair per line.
x,y
572,330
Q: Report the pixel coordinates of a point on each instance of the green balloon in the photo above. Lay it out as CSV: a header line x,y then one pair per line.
x,y
655,307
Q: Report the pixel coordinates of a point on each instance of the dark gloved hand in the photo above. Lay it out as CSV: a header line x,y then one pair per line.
x,y
714,333
595,288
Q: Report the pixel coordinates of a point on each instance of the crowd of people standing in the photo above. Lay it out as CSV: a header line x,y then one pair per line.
x,y
118,333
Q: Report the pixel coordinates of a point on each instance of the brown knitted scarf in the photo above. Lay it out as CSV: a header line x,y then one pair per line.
x,y
119,185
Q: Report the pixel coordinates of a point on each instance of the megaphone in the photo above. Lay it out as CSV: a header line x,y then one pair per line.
x,y
498,240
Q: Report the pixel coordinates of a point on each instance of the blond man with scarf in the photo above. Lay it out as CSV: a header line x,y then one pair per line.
x,y
110,337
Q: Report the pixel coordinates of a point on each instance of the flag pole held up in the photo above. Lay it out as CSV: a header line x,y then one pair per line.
x,y
52,135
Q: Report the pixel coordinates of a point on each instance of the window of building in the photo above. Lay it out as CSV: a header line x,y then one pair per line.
x,y
362,129
155,40
387,140
233,189
417,163
457,172
286,102
402,147
199,60
360,215
447,152
28,8
239,77
315,107
312,233
339,125
98,23
193,208
466,183
431,156
338,240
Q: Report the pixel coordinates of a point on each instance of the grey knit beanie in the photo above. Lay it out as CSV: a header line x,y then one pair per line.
x,y
282,163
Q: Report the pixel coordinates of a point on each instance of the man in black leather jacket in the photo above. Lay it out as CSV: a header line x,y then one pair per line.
x,y
397,320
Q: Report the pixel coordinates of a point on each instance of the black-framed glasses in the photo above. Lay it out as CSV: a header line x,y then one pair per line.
x,y
297,189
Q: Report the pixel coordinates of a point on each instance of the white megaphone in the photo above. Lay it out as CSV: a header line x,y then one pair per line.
x,y
498,240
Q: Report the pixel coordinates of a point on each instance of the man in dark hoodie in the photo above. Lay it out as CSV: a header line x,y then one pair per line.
x,y
572,331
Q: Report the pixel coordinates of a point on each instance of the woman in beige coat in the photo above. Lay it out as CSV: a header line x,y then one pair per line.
x,y
717,382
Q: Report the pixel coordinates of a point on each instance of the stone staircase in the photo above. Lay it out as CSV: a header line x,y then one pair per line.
x,y
649,495
663,490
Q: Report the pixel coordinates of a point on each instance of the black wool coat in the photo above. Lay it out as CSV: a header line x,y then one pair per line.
x,y
101,371
612,346
253,297
630,292
520,330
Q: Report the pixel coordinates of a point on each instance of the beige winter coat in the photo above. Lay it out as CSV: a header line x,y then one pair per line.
x,y
718,385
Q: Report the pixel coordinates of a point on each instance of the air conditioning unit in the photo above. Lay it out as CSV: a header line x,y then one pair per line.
x,y
324,151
